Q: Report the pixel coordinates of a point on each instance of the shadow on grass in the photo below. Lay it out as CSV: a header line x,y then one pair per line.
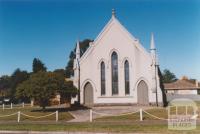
x,y
62,109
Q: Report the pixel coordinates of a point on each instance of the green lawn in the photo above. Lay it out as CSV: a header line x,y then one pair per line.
x,y
159,112
35,111
97,127
126,123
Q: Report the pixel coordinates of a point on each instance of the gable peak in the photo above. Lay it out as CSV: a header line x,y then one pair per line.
x,y
113,13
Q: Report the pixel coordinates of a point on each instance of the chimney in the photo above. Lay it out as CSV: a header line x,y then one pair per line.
x,y
197,83
184,78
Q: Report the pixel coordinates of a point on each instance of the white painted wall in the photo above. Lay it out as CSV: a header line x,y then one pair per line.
x,y
114,37
194,91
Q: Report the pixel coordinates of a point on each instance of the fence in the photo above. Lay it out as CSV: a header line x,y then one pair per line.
x,y
11,106
19,114
141,115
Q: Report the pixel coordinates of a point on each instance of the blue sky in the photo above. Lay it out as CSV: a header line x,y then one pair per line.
x,y
49,29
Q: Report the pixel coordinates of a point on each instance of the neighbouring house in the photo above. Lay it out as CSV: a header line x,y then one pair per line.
x,y
183,88
56,100
117,70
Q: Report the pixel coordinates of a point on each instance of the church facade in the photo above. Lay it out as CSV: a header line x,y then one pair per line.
x,y
117,70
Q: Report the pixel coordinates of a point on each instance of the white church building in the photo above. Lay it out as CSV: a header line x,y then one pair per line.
x,y
117,70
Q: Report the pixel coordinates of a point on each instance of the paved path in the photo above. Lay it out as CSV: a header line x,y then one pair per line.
x,y
80,115
84,115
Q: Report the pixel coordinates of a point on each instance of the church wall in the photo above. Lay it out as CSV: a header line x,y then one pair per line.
x,y
115,39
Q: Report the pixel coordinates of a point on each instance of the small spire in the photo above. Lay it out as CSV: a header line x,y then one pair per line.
x,y
153,50
77,50
113,12
152,46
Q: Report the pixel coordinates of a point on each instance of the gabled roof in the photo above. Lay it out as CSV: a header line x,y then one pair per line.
x,y
181,85
112,21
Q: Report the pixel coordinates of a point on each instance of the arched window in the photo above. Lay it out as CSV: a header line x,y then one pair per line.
x,y
114,67
103,79
126,77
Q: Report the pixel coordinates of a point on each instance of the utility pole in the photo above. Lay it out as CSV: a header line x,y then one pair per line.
x,y
78,70
156,66
79,89
154,59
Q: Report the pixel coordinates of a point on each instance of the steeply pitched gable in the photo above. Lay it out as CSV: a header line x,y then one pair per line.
x,y
108,26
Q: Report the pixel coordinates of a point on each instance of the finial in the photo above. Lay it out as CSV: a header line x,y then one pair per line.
x,y
152,46
113,12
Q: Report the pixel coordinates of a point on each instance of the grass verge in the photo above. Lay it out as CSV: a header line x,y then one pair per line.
x,y
35,111
97,127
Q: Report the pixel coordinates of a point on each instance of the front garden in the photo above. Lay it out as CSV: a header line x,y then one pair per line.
x,y
33,114
126,123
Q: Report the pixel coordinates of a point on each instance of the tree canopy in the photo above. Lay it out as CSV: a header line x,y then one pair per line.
x,y
8,84
168,76
60,71
83,47
38,65
67,91
5,82
43,86
17,77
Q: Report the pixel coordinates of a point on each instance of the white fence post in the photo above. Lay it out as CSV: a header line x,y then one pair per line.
x,y
90,115
11,106
23,104
186,110
32,102
168,110
56,116
3,106
141,118
18,116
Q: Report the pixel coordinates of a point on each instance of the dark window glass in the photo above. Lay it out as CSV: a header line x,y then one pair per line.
x,y
126,75
114,67
103,84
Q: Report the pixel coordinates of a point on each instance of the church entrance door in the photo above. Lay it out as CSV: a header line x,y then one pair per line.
x,y
142,92
88,94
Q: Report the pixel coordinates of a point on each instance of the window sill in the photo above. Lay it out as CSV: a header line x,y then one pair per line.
x,y
127,96
103,95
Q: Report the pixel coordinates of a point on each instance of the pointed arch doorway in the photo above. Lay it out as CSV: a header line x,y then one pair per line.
x,y
88,94
142,93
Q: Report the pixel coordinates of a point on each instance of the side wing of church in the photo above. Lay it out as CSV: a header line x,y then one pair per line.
x,y
117,70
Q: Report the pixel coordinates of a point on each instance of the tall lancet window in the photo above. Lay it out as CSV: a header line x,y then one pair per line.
x,y
114,67
126,77
103,79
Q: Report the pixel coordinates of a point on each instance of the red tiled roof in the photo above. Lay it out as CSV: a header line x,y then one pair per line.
x,y
181,84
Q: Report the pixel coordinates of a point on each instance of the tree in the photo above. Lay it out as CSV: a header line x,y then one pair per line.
x,y
168,76
67,91
17,77
60,71
83,47
69,68
5,82
41,87
22,91
38,65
